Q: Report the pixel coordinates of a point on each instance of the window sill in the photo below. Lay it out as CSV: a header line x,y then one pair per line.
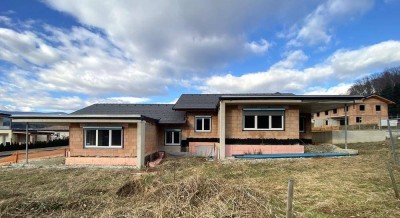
x,y
202,131
263,129
172,144
103,147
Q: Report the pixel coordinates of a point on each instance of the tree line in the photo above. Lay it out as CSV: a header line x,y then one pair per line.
x,y
385,84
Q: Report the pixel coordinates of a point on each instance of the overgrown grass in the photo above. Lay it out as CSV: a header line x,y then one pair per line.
x,y
194,187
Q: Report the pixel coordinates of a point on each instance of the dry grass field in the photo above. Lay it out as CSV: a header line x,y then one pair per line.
x,y
356,186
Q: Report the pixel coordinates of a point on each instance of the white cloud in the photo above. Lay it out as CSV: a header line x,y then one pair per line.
x,y
258,47
342,66
26,47
317,26
340,89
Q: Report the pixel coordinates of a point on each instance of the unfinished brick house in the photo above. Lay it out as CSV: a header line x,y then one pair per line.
x,y
219,125
369,112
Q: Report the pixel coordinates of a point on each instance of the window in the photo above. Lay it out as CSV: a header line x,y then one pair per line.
x,y
302,124
326,112
362,107
172,137
358,119
203,124
326,122
335,111
377,108
318,114
347,108
104,137
263,119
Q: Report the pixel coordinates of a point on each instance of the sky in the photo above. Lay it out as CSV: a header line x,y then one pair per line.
x,y
63,55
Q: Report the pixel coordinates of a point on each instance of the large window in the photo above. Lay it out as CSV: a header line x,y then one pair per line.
x,y
172,137
263,119
203,123
103,137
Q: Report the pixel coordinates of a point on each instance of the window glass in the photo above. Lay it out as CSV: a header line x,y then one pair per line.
x,y
90,137
276,121
249,122
302,123
318,114
377,108
335,111
168,137
358,119
116,137
326,112
176,138
262,122
199,124
362,107
207,123
103,137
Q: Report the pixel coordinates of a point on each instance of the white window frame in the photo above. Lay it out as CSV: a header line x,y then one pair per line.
x,y
97,128
269,121
202,123
173,136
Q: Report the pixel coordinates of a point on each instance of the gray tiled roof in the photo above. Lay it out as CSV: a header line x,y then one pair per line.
x,y
197,101
162,112
211,101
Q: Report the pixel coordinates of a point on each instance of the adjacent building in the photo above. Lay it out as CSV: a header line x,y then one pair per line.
x,y
369,113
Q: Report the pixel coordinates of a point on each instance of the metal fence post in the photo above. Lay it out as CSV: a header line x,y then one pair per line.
x,y
392,141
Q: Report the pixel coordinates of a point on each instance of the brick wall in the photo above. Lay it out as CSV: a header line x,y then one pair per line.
x,y
369,115
234,124
151,141
188,131
76,142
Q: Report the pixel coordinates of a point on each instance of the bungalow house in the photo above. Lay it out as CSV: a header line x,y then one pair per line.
x,y
213,124
370,112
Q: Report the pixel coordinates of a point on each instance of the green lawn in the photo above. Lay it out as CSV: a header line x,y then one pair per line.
x,y
193,187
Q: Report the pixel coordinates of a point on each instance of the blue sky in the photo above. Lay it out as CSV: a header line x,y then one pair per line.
x,y
62,55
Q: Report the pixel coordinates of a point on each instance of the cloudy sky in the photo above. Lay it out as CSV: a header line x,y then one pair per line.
x,y
62,55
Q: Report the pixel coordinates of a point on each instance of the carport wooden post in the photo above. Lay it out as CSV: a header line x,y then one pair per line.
x,y
26,143
345,126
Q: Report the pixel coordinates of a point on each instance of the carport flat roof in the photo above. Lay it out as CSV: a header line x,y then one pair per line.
x,y
74,118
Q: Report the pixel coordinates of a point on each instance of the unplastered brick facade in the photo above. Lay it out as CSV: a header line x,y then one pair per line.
x,y
77,148
234,124
372,110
